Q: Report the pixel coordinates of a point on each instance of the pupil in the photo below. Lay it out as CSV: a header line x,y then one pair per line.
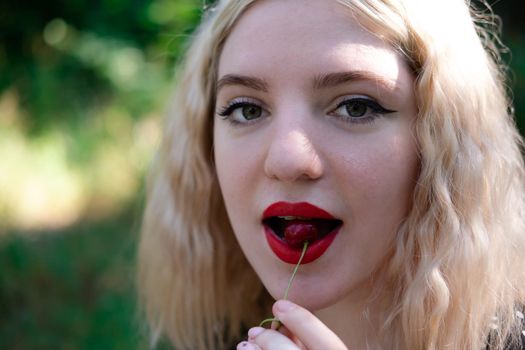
x,y
356,109
251,112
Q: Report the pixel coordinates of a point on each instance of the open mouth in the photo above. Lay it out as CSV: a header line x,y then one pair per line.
x,y
295,230
288,226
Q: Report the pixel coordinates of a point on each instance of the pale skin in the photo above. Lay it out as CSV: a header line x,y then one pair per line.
x,y
312,107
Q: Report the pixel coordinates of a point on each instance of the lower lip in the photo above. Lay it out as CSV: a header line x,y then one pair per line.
x,y
292,255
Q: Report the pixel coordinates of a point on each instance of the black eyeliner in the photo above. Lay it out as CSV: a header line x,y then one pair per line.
x,y
233,105
376,107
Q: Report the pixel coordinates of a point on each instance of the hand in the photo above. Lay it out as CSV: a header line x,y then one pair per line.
x,y
301,331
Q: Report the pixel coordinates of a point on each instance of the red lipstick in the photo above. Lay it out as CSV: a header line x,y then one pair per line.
x,y
303,209
280,215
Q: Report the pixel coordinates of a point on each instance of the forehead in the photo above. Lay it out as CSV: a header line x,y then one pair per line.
x,y
317,35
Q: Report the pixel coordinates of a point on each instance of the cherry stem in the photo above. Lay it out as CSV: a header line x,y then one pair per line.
x,y
295,270
277,322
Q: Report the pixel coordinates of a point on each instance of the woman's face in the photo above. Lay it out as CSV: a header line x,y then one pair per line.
x,y
312,108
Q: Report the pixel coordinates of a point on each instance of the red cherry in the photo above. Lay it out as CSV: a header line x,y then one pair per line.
x,y
297,232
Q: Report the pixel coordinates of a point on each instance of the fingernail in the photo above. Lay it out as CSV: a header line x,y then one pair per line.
x,y
244,346
255,331
283,306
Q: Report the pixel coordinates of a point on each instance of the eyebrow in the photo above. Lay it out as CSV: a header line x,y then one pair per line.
x,y
335,79
319,82
248,81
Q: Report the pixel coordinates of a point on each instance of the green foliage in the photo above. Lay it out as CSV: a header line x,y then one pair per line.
x,y
71,289
68,58
83,76
517,77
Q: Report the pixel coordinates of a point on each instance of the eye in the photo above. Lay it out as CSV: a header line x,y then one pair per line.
x,y
242,111
359,109
250,112
356,108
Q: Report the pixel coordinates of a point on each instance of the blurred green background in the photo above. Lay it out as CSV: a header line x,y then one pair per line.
x,y
83,87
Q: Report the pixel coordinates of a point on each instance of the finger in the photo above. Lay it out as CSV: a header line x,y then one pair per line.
x,y
269,339
285,331
308,328
247,346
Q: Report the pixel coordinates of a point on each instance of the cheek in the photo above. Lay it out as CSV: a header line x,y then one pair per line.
x,y
223,163
394,170
236,166
227,174
381,174
378,184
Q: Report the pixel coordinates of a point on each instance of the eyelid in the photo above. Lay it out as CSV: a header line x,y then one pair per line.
x,y
229,110
371,102
374,109
236,102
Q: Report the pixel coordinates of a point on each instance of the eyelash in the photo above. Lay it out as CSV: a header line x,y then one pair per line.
x,y
373,110
376,110
227,111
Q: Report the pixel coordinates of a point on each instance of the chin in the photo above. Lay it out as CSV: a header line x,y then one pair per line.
x,y
311,299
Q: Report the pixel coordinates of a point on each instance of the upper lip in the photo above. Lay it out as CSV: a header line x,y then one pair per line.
x,y
301,209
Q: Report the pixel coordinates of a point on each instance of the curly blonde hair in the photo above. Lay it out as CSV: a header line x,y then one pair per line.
x,y
457,273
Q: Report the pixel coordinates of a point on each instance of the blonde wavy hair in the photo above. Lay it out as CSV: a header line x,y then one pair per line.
x,y
457,272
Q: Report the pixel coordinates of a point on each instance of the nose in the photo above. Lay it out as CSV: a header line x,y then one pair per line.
x,y
292,157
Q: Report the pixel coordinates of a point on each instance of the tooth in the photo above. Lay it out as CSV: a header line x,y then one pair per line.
x,y
288,218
